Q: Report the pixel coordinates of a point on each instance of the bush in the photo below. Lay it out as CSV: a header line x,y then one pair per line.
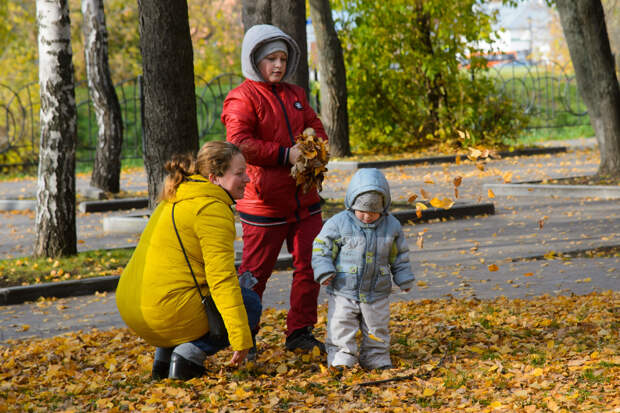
x,y
407,88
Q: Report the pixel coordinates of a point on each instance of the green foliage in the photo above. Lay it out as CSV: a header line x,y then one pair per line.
x,y
406,86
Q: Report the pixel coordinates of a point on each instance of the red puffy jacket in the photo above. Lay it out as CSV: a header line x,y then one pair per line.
x,y
263,119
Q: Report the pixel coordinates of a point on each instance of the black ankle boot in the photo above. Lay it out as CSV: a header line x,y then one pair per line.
x,y
183,369
160,370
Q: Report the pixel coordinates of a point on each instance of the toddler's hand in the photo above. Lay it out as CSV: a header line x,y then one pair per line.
x,y
328,279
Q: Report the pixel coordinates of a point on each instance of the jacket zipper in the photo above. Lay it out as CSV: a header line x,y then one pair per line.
x,y
290,134
288,124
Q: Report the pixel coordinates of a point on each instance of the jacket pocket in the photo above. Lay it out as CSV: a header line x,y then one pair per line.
x,y
384,280
346,278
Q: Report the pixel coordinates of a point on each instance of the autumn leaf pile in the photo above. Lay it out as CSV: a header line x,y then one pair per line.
x,y
309,170
558,354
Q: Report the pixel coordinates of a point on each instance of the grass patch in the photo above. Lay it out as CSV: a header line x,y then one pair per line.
x,y
96,263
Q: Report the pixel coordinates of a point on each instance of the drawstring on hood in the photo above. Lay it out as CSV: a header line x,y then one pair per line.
x,y
255,38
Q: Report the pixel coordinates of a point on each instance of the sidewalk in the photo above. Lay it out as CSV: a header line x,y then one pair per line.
x,y
456,254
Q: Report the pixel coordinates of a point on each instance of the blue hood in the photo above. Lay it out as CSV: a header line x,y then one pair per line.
x,y
368,179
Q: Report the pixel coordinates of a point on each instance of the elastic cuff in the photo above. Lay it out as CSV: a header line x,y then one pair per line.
x,y
283,155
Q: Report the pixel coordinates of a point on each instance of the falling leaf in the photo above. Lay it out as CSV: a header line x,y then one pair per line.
x,y
493,267
420,206
480,165
427,179
507,177
457,181
444,203
424,194
528,274
25,327
456,193
457,159
541,222
490,193
420,240
412,198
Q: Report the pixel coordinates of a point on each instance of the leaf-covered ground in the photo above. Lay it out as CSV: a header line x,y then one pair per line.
x,y
558,354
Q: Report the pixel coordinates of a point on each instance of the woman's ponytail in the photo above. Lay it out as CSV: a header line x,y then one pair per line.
x,y
178,168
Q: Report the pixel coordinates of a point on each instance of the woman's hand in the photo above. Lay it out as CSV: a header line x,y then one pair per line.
x,y
294,153
238,357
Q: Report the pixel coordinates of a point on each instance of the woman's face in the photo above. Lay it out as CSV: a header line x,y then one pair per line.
x,y
234,178
273,67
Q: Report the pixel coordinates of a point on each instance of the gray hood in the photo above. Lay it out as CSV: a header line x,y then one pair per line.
x,y
255,37
368,179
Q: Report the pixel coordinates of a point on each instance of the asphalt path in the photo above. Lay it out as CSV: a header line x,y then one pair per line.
x,y
481,257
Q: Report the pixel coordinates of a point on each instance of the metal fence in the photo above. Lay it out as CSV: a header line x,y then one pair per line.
x,y
547,93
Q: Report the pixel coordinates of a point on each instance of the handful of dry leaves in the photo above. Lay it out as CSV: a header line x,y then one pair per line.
x,y
309,169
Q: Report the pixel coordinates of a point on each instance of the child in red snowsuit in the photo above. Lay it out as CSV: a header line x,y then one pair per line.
x,y
263,116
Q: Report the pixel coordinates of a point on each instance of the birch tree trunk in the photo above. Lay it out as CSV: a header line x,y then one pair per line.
x,y
333,79
288,15
55,212
583,23
170,125
107,166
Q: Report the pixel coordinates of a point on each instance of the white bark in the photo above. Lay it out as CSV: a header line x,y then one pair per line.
x,y
55,213
107,166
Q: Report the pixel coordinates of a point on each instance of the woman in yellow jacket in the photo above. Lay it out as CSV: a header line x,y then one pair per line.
x,y
157,296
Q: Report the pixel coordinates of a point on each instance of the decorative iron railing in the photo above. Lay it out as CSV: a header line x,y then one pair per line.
x,y
547,93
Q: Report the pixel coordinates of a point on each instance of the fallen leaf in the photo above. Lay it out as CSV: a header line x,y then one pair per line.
x,y
375,338
493,267
490,193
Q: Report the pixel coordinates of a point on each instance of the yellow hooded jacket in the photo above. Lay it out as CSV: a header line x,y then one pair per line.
x,y
156,294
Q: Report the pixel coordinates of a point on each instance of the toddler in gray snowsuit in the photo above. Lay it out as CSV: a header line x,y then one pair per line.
x,y
356,255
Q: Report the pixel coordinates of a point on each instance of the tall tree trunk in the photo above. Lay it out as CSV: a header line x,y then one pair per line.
x,y
583,22
255,12
333,79
107,167
170,124
55,213
288,15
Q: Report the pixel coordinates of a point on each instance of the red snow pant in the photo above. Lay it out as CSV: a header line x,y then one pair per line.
x,y
261,246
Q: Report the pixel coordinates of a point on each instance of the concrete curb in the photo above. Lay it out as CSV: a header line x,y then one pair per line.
x,y
567,191
86,286
139,203
350,166
135,223
113,205
17,204
71,288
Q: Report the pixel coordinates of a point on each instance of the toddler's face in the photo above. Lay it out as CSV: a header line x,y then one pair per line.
x,y
367,217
